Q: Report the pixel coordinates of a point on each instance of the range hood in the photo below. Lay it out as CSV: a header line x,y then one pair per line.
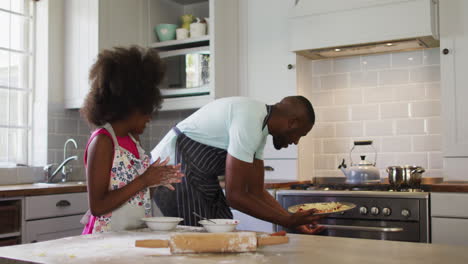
x,y
378,27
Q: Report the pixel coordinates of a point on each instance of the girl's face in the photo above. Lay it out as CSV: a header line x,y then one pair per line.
x,y
139,121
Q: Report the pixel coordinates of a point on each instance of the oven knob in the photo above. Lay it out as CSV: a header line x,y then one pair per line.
x,y
405,213
363,210
386,211
374,211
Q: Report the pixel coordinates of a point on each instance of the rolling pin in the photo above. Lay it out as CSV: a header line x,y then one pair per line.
x,y
213,242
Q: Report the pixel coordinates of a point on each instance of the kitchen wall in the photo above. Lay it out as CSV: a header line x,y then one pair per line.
x,y
393,99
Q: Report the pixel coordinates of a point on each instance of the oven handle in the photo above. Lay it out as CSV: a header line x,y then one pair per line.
x,y
365,228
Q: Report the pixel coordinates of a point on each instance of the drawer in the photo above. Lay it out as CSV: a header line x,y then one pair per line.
x,y
45,206
449,204
280,169
53,228
449,231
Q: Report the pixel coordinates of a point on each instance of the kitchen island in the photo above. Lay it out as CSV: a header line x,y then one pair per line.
x,y
118,247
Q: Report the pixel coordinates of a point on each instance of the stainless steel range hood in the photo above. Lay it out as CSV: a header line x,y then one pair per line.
x,y
375,28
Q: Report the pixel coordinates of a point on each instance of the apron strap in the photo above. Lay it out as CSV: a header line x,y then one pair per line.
x,y
109,129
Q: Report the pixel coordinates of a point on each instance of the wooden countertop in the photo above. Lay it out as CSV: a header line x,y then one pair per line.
x,y
277,184
41,189
118,247
450,186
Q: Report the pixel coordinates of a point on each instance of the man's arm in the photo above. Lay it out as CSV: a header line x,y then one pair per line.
x,y
245,192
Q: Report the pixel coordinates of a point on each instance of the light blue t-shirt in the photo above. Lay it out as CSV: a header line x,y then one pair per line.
x,y
234,124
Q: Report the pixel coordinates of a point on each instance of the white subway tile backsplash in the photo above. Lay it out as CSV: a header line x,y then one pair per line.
x,y
431,56
349,129
379,128
427,143
364,112
425,109
348,64
335,81
325,162
434,125
385,160
322,99
394,110
410,92
316,86
410,126
317,146
323,130
393,77
404,59
425,74
348,97
363,79
322,66
67,126
379,94
433,91
435,160
334,146
371,62
396,144
333,114
413,159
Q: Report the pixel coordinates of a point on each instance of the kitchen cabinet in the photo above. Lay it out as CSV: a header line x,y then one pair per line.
x,y
222,40
10,221
449,219
91,26
49,217
454,83
267,70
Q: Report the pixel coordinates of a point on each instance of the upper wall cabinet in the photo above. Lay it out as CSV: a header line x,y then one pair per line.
x,y
454,83
91,26
201,68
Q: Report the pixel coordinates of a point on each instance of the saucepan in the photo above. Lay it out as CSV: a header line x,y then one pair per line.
x,y
405,176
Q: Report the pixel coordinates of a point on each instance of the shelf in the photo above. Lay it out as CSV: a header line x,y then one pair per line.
x,y
180,44
14,234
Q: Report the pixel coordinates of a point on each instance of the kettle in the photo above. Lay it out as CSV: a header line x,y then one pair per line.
x,y
363,172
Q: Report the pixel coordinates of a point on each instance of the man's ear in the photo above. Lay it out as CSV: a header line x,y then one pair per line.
x,y
293,123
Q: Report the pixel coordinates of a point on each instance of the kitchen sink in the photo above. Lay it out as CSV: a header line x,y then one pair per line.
x,y
71,183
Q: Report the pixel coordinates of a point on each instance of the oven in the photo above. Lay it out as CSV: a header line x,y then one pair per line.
x,y
383,215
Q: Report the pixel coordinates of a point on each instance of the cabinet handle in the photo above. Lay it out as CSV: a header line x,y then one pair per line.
x,y
445,51
290,66
269,168
34,241
63,203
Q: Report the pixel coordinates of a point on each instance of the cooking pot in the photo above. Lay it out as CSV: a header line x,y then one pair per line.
x,y
405,176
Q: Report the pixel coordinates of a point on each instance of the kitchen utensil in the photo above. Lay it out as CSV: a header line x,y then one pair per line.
x,y
197,29
346,206
165,32
405,176
186,20
162,223
181,33
219,225
364,171
211,243
204,218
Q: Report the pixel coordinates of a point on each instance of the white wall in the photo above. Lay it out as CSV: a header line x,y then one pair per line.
x,y
393,99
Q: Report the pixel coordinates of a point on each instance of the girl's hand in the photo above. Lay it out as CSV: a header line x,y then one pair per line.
x,y
159,173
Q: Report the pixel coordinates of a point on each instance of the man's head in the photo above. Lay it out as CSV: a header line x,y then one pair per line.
x,y
291,119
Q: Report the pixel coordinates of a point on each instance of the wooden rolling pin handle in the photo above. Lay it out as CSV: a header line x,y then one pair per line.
x,y
152,243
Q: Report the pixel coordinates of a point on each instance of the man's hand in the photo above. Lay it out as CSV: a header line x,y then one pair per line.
x,y
311,229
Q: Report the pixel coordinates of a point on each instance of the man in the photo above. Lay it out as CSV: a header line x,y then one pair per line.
x,y
227,137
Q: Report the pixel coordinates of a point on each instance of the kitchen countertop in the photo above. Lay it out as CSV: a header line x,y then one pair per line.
x,y
119,248
450,186
41,189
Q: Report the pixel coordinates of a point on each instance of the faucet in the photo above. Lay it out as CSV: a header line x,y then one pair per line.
x,y
48,168
49,175
65,169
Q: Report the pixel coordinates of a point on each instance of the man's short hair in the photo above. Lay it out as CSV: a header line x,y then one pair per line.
x,y
307,107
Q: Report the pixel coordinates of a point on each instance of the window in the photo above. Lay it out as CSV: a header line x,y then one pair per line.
x,y
16,89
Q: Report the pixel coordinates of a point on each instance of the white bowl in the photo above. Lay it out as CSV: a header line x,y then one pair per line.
x,y
219,225
162,223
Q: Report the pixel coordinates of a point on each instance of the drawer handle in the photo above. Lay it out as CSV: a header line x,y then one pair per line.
x,y
63,203
269,168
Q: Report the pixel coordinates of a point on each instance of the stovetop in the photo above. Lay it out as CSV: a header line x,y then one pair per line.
x,y
379,187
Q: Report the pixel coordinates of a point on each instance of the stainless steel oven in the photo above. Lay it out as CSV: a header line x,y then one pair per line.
x,y
383,215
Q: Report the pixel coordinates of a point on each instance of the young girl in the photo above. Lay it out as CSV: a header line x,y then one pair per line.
x,y
122,98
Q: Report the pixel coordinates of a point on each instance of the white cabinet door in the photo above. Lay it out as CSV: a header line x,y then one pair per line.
x,y
280,169
47,206
53,228
454,80
451,231
264,50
